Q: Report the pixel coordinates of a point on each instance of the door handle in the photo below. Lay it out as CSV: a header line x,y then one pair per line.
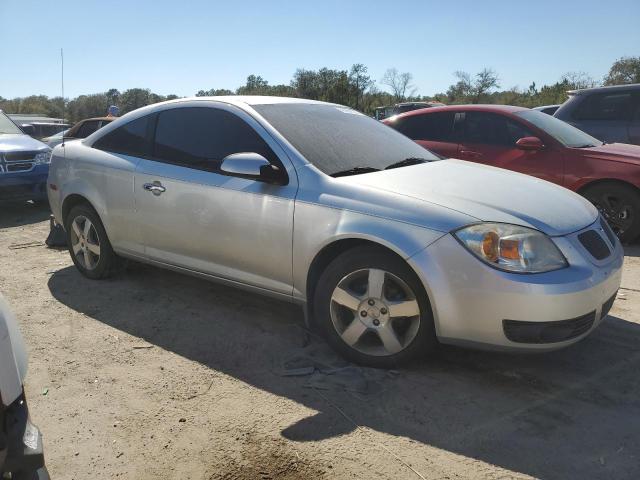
x,y
156,188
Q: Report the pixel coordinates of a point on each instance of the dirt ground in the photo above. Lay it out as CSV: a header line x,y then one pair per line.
x,y
155,375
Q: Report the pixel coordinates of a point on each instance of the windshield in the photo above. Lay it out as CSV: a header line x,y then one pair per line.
x,y
566,134
7,126
339,139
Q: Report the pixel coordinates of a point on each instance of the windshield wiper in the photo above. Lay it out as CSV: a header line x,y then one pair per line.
x,y
355,171
407,162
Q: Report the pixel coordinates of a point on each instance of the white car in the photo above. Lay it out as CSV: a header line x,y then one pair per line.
x,y
21,454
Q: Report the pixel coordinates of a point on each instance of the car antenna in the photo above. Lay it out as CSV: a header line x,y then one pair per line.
x,y
62,82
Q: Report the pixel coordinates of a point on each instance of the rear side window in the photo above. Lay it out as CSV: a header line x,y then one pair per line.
x,y
200,138
492,129
87,128
434,126
129,139
605,106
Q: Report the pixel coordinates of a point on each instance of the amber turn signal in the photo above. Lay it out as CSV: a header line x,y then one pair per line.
x,y
490,244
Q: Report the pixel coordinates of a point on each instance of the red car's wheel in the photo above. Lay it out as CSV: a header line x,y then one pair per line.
x,y
620,206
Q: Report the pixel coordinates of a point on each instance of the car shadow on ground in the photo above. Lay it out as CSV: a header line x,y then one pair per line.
x,y
16,214
568,414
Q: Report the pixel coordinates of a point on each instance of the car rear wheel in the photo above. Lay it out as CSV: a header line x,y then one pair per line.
x,y
88,244
620,206
373,308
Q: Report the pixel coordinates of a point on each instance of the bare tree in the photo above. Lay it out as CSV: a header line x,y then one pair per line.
x,y
462,89
486,80
468,90
399,83
577,80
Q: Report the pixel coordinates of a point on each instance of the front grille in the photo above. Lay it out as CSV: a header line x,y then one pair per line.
x,y
594,244
547,332
606,306
19,166
608,232
19,156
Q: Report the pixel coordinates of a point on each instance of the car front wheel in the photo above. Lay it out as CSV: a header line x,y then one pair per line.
x,y
373,308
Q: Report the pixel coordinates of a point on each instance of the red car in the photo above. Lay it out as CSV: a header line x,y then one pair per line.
x,y
537,144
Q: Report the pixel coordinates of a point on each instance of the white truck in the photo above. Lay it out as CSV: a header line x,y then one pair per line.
x,y
21,456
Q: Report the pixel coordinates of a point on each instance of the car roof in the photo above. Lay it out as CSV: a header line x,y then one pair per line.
x,y
542,107
97,118
420,103
457,108
248,100
583,91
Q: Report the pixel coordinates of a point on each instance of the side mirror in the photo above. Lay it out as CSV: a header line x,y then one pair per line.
x,y
254,166
28,129
530,143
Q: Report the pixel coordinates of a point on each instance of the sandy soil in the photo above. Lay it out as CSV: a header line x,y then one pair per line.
x,y
156,375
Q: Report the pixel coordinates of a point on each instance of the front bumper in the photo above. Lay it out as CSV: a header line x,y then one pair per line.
x,y
474,304
21,452
30,185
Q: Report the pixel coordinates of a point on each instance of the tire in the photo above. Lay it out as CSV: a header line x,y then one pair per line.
x,y
89,245
360,323
620,206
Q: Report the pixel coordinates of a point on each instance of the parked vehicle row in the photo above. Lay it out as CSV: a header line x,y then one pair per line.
x,y
389,111
82,129
24,161
537,144
389,249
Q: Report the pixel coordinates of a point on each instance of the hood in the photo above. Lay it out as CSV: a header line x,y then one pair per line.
x,y
489,194
19,143
619,152
13,356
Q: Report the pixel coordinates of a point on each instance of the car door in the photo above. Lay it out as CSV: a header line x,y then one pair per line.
x,y
194,216
490,138
118,154
606,116
432,130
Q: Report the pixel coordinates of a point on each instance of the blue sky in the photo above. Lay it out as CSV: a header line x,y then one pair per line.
x,y
183,46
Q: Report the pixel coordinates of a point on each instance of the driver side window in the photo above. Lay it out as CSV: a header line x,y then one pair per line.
x,y
200,137
491,129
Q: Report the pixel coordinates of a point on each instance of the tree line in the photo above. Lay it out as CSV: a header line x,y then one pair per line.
x,y
353,87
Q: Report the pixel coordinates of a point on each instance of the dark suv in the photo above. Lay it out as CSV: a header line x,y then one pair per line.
x,y
611,114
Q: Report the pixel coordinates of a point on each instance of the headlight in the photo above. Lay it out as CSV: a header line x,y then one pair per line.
x,y
512,248
43,157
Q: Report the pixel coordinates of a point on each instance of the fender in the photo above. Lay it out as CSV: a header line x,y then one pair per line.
x,y
317,227
13,356
80,187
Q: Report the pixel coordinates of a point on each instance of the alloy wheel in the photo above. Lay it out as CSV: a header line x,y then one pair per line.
x,y
85,242
375,312
618,213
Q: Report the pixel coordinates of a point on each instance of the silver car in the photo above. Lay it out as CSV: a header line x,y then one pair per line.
x,y
389,248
